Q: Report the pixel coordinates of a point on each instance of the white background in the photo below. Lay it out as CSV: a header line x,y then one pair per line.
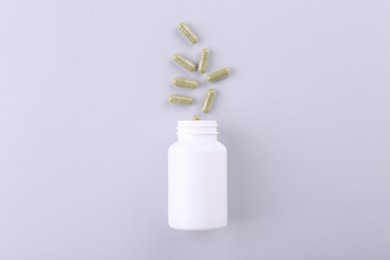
x,y
85,126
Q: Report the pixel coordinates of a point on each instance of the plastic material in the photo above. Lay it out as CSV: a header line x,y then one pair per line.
x,y
197,177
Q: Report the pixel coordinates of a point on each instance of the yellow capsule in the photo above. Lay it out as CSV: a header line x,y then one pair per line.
x,y
177,99
184,62
219,74
186,83
204,61
196,117
209,100
186,30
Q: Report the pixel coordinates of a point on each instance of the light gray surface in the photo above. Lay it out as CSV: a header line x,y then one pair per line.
x,y
85,127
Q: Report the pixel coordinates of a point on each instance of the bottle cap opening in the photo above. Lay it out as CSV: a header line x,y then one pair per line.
x,y
197,127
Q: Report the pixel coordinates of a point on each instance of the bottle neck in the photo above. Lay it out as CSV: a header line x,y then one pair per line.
x,y
197,130
195,138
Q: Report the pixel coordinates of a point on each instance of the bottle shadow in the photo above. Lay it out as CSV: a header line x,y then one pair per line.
x,y
246,191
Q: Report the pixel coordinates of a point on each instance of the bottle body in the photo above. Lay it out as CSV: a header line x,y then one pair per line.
x,y
197,178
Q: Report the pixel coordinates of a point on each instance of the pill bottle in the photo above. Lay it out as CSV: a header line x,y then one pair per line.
x,y
197,177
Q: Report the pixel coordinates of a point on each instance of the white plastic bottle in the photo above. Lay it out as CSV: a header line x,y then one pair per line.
x,y
197,177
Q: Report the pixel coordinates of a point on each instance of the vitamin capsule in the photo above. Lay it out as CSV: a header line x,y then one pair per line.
x,y
196,117
186,30
204,61
185,83
209,100
219,74
177,99
184,62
